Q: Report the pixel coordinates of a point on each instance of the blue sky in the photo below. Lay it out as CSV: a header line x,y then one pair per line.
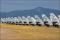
x,y
10,5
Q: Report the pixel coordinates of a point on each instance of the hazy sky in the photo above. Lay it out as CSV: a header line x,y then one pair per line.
x,y
10,5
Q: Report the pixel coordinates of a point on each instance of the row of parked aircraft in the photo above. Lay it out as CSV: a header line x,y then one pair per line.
x,y
53,20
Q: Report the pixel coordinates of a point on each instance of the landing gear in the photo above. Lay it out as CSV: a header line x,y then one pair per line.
x,y
38,23
46,23
55,24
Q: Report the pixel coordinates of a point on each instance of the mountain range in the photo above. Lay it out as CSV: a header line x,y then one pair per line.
x,y
36,11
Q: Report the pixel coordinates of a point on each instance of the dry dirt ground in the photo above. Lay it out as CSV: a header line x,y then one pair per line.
x,y
20,32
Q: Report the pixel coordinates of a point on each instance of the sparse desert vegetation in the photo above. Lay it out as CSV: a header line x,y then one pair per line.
x,y
21,32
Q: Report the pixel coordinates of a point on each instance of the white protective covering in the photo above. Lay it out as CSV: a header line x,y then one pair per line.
x,y
15,19
31,19
59,19
3,19
54,18
19,19
45,18
37,18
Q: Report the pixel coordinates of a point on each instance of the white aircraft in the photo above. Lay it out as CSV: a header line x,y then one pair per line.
x,y
38,20
11,20
15,20
54,19
46,20
59,19
19,20
8,20
3,20
31,20
25,20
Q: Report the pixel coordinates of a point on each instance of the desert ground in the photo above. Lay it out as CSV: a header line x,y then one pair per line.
x,y
23,32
